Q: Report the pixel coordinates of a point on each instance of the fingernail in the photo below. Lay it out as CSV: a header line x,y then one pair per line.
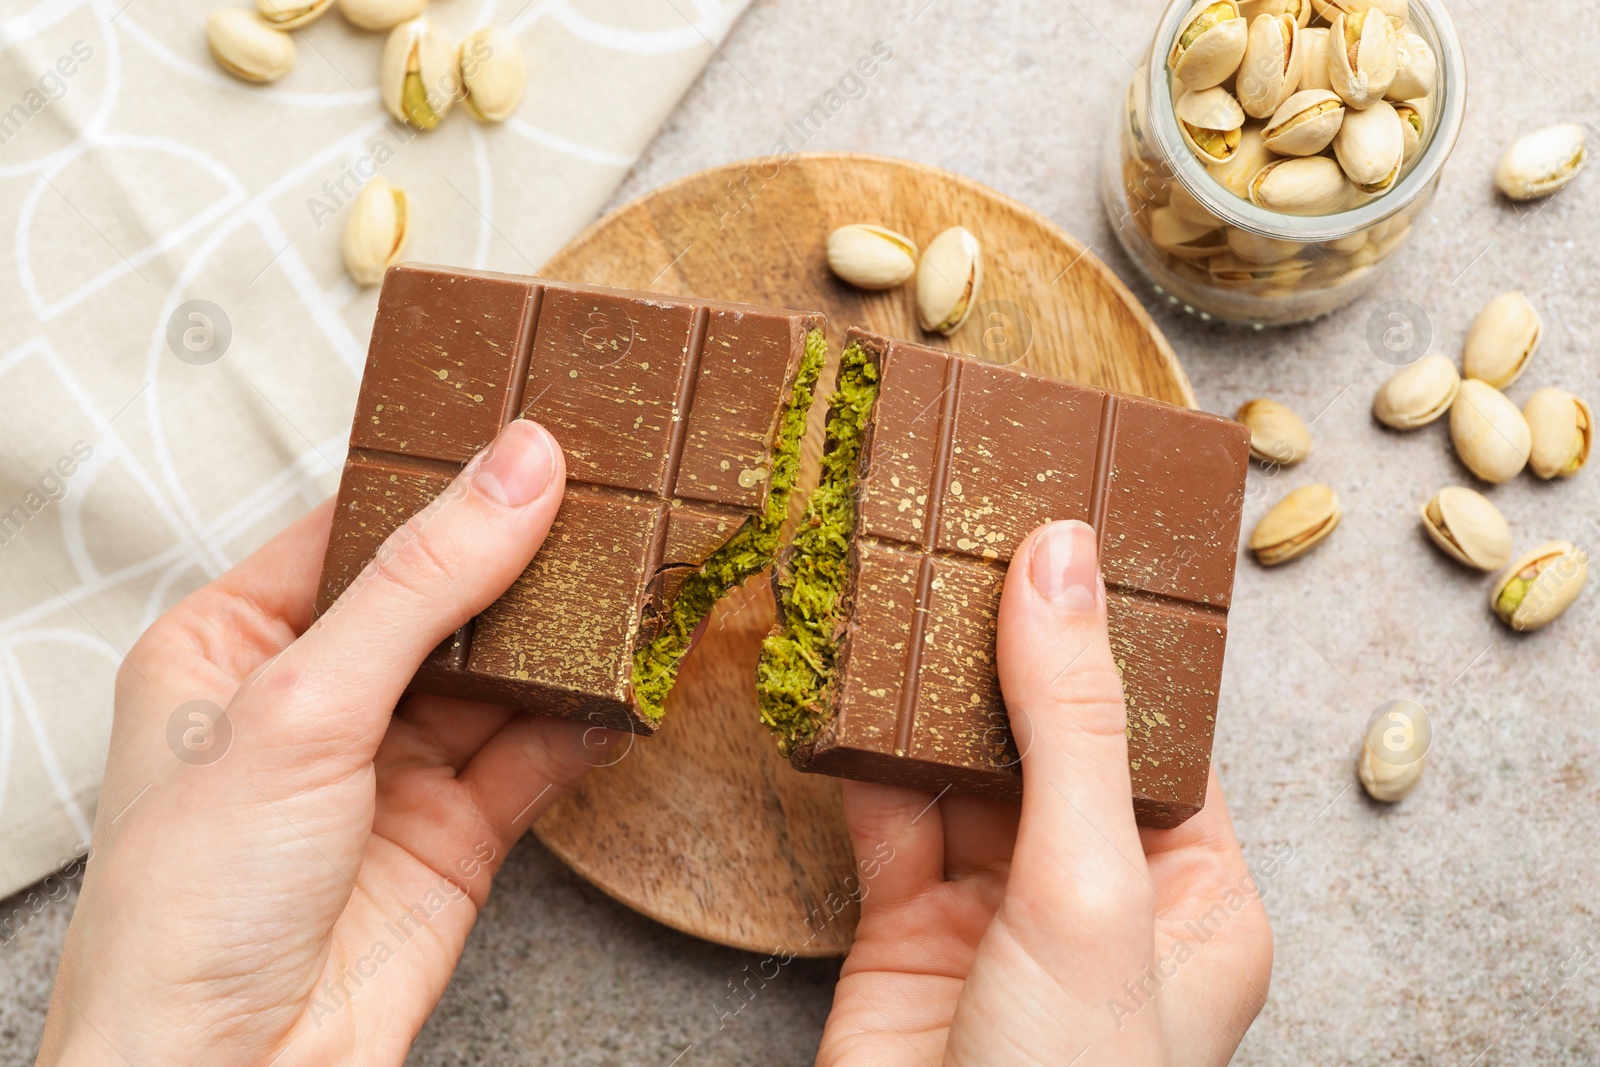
x,y
1064,568
518,465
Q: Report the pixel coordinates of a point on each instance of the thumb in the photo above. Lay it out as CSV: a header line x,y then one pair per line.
x,y
1064,695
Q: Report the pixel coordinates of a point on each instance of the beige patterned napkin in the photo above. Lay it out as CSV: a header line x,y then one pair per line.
x,y
136,179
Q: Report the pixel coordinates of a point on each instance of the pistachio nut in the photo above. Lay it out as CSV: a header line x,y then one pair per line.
x,y
871,257
292,14
1228,271
1416,67
1397,10
1415,125
1490,434
948,276
1309,185
1362,57
1468,528
1540,585
1298,522
1349,245
1417,394
1188,208
417,74
1210,120
492,74
1371,146
1314,58
376,232
1305,124
1247,161
380,14
1394,752
1562,427
1254,248
248,46
1176,235
1542,162
1270,70
1299,10
1504,337
1277,434
1210,44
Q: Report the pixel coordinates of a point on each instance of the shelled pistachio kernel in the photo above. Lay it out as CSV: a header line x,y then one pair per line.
x,y
1468,528
1362,57
376,232
1562,428
493,74
1211,120
1295,525
871,257
1307,185
1416,67
1540,585
1503,338
1270,70
949,275
1417,394
417,74
1211,42
1371,147
1277,434
1305,124
1489,433
1541,162
292,14
248,46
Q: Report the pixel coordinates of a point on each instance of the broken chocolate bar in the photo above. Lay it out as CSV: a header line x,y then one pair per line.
x,y
681,422
936,467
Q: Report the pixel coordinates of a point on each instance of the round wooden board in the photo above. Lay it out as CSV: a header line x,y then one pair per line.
x,y
705,827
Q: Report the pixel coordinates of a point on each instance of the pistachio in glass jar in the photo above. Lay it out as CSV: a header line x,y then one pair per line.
x,y
1272,155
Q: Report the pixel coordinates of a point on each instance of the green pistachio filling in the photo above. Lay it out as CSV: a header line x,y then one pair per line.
x,y
797,664
750,550
1512,596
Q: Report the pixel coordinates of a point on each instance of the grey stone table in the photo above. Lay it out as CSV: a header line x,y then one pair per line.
x,y
1458,928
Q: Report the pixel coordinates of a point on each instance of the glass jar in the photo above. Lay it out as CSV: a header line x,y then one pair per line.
x,y
1244,263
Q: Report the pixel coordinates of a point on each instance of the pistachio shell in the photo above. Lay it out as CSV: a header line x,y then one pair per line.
x,y
871,257
1562,427
1417,394
1540,585
1371,146
1395,751
1397,10
1468,528
1277,434
948,277
1254,248
1305,124
1504,337
1314,58
1247,161
292,14
1295,525
1349,245
1270,70
1416,67
1362,57
1299,10
248,46
1413,126
1312,185
417,74
1542,162
1175,234
376,232
493,75
1211,42
1188,208
1228,271
1490,434
380,14
1210,120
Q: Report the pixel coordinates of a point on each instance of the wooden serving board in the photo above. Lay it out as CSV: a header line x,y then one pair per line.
x,y
705,827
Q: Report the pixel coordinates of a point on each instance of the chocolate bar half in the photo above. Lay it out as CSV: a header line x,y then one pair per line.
x,y
936,467
681,421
